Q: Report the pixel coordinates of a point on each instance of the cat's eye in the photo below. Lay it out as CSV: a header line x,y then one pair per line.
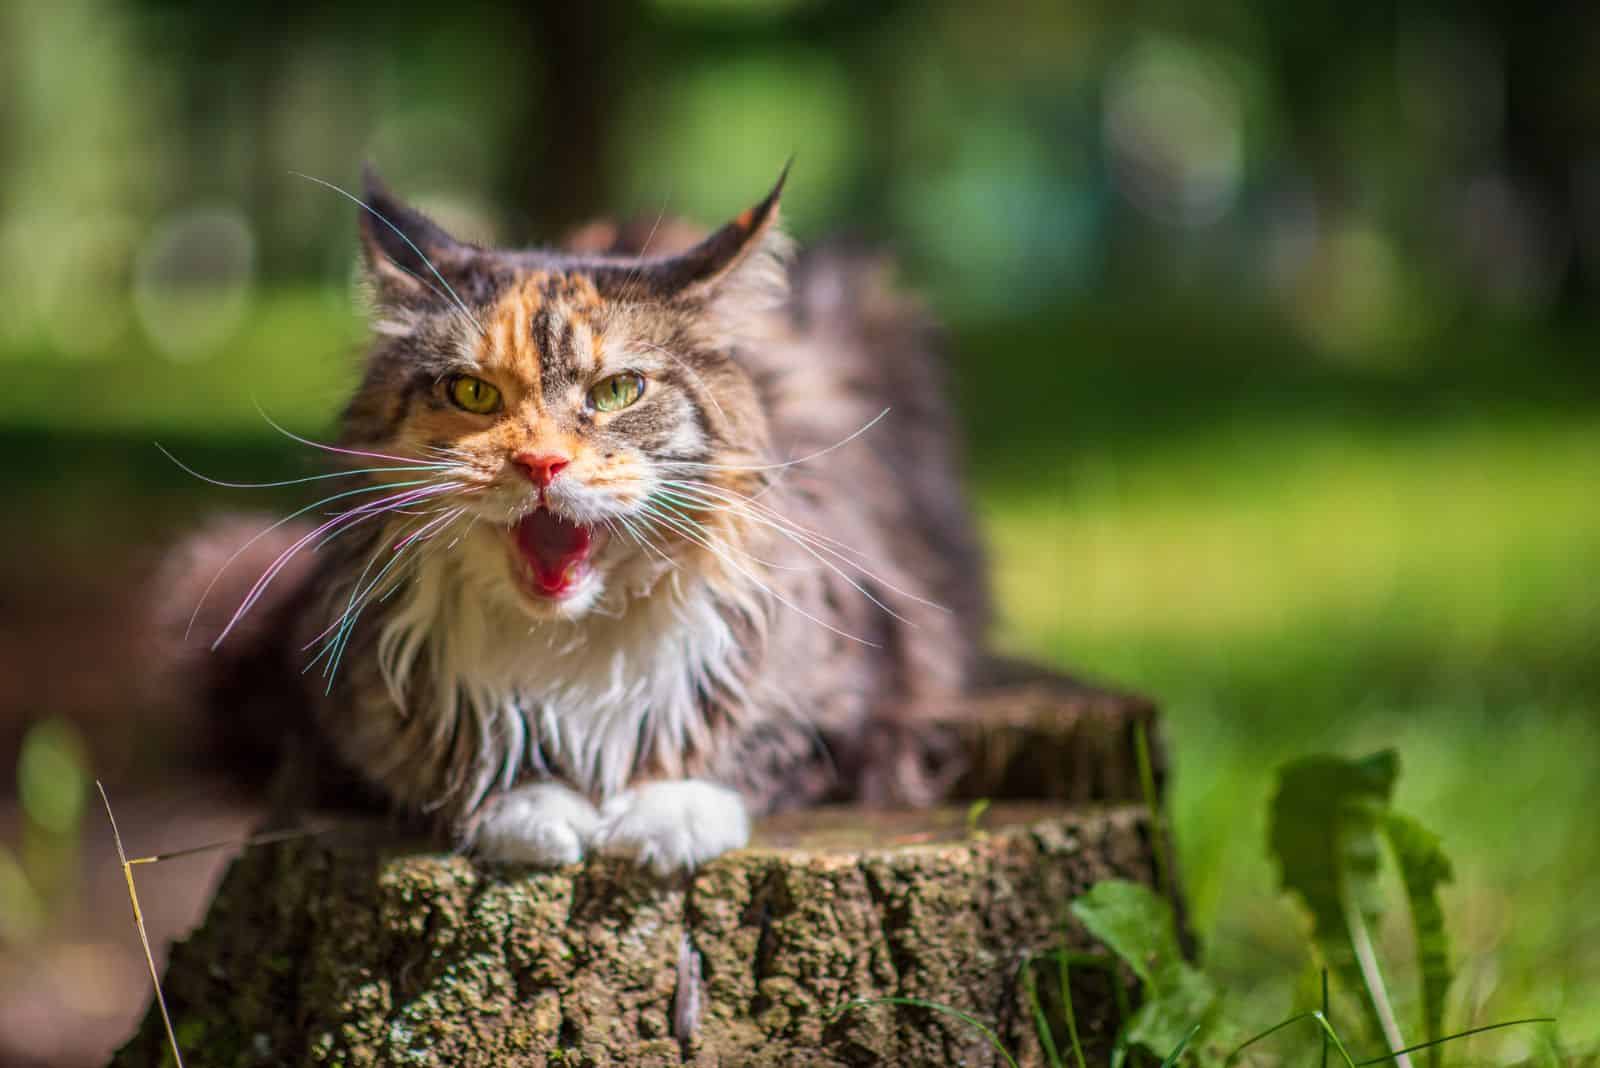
x,y
474,394
617,392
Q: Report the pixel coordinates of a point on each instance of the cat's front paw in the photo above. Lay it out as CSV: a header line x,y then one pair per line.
x,y
673,826
543,823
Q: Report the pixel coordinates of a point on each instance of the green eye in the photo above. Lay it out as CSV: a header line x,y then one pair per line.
x,y
617,392
474,394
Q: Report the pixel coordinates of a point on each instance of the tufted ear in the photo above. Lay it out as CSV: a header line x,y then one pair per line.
x,y
751,240
408,256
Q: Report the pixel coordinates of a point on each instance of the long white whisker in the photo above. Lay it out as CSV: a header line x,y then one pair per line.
x,y
747,554
376,214
294,481
856,585
643,542
769,591
240,551
345,521
347,621
813,543
292,436
791,463
739,501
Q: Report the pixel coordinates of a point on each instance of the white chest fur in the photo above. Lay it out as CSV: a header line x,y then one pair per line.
x,y
590,696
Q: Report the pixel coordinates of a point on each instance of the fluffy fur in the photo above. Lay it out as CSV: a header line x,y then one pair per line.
x,y
770,591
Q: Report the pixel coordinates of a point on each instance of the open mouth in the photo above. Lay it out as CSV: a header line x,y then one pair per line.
x,y
555,551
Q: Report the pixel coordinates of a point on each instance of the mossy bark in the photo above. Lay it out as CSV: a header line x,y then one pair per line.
x,y
359,954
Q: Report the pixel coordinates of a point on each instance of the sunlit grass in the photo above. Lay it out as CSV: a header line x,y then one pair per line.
x,y
1470,532
1291,591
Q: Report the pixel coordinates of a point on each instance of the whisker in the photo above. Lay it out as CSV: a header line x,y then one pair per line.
x,y
376,214
768,590
293,481
644,250
813,543
204,594
356,590
345,520
665,498
736,500
633,535
790,463
347,621
831,567
291,435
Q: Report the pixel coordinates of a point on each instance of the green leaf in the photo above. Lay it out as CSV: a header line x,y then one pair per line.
x,y
1182,1001
1133,922
1137,925
1424,868
1324,836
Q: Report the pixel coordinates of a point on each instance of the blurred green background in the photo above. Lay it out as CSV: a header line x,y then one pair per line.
x,y
1274,329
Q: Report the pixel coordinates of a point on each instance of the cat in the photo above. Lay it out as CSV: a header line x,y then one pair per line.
x,y
632,545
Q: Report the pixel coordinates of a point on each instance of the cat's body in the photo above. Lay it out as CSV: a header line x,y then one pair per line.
x,y
659,582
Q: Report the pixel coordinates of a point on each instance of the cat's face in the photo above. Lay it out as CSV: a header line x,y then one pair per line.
x,y
587,413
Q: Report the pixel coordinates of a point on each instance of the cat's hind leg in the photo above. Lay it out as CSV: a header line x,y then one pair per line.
x,y
545,823
674,825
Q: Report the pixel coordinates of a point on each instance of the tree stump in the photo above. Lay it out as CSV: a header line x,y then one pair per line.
x,y
348,953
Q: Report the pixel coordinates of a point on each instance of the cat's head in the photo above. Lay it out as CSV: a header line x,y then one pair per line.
x,y
590,415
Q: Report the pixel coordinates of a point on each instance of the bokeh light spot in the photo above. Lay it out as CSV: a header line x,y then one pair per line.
x,y
193,281
1175,133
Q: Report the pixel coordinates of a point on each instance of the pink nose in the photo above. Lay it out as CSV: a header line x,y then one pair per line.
x,y
541,468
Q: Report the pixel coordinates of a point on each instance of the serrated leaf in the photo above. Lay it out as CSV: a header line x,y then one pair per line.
x,y
1423,869
1324,836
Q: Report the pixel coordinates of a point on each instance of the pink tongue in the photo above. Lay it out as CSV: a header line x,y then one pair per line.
x,y
553,546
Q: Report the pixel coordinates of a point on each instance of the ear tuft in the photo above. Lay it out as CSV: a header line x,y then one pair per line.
x,y
749,248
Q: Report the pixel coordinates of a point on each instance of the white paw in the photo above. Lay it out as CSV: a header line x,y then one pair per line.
x,y
545,823
673,826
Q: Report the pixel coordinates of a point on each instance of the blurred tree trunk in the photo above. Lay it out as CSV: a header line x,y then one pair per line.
x,y
559,161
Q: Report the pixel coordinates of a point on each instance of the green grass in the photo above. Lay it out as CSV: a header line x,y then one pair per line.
x,y
1290,590
1292,557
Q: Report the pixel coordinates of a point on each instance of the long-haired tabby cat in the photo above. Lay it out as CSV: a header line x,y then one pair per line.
x,y
627,549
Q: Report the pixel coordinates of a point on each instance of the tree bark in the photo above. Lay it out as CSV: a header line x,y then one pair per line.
x,y
348,953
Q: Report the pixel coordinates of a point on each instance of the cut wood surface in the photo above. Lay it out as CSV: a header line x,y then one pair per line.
x,y
331,950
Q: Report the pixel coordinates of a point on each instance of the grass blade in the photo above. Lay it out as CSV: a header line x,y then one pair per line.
x,y
933,1006
1172,1058
1324,1013
1041,1023
1434,1044
1328,1035
1065,972
138,919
